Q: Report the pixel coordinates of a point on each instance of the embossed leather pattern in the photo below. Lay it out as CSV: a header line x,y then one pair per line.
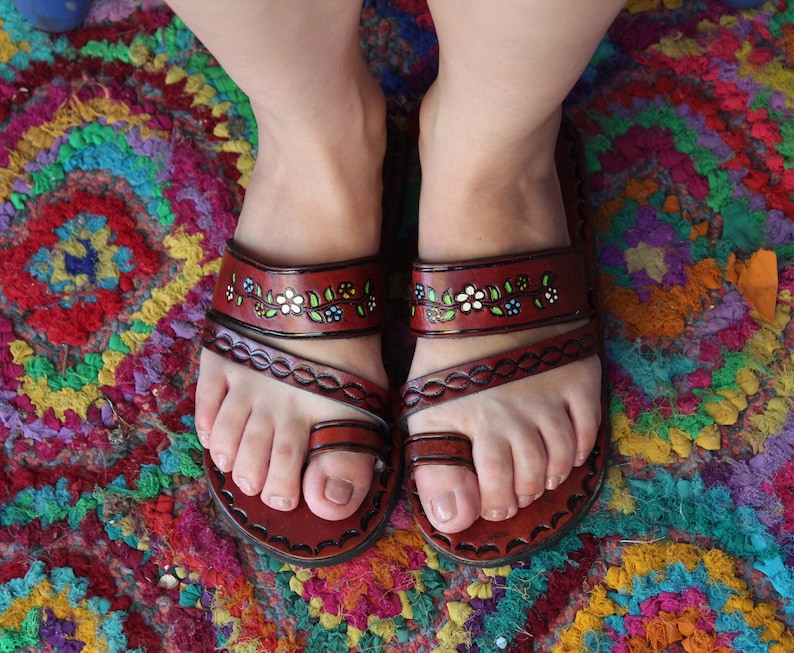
x,y
498,294
298,372
337,300
299,536
497,370
555,513
253,299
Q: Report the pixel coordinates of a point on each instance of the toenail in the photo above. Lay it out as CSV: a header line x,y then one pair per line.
x,y
338,490
204,438
524,501
582,456
224,463
444,506
281,503
553,482
497,514
246,486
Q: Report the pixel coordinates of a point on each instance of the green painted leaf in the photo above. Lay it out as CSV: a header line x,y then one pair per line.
x,y
360,311
497,311
447,299
314,300
258,290
449,315
539,304
329,293
314,315
431,294
545,280
367,287
239,300
271,313
269,297
508,287
495,294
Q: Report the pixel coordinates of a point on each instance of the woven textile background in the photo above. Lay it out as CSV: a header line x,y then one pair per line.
x,y
124,154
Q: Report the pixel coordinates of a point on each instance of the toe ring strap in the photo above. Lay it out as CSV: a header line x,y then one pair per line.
x,y
438,449
349,435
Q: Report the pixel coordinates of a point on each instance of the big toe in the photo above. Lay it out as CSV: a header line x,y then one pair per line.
x,y
449,496
335,483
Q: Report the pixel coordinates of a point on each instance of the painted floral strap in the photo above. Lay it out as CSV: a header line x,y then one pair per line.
x,y
341,299
499,294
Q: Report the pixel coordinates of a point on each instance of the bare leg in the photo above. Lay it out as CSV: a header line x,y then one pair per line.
x,y
489,187
314,197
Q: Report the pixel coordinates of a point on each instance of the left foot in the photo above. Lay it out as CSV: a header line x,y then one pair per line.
x,y
529,434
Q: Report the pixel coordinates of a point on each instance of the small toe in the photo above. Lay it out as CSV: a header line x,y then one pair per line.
x,y
282,488
560,442
227,431
211,389
253,455
494,463
529,467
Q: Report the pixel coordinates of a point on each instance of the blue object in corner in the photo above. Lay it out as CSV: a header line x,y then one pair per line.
x,y
54,15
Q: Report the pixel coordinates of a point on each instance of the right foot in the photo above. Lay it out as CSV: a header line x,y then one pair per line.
x,y
314,197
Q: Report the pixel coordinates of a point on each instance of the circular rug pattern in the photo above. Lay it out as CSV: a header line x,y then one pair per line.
x,y
124,154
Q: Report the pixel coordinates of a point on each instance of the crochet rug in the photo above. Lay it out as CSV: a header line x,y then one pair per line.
x,y
124,155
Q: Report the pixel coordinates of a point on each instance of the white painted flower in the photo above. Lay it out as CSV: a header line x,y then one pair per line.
x,y
470,298
290,302
551,295
229,293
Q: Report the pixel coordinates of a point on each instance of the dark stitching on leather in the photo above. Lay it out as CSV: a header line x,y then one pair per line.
x,y
282,368
507,368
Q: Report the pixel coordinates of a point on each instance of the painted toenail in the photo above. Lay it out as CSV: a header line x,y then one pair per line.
x,y
338,490
553,482
224,463
497,514
444,506
281,503
204,438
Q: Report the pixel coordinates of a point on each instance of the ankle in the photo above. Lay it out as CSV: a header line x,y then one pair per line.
x,y
486,193
315,193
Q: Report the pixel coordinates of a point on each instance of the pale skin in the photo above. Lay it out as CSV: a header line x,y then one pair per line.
x,y
489,187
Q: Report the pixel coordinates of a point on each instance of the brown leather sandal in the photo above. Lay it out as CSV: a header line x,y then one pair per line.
x,y
344,299
501,295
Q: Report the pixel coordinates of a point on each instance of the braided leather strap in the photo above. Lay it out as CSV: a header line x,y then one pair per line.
x,y
335,300
298,372
499,369
503,294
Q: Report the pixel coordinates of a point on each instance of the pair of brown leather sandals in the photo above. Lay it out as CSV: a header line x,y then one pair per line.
x,y
459,299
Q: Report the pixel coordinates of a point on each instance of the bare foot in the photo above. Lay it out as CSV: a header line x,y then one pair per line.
x,y
526,435
314,197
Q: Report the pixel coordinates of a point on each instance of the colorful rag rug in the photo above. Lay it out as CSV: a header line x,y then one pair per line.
x,y
124,152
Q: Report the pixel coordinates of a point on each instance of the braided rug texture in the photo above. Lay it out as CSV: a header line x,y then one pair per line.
x,y
124,154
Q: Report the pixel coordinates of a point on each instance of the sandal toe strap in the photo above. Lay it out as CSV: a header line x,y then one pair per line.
x,y
438,449
351,436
